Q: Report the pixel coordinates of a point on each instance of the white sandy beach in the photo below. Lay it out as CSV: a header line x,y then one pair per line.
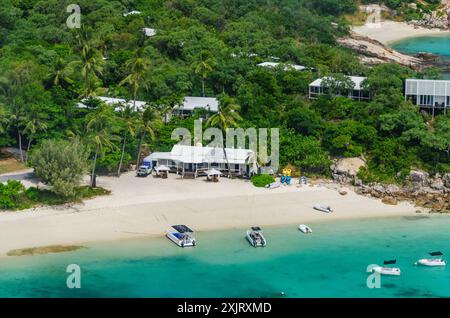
x,y
145,207
388,32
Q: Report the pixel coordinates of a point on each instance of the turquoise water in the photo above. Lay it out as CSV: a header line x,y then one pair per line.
x,y
329,263
439,45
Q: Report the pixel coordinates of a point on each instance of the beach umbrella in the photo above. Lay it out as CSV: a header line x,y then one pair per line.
x,y
162,168
213,172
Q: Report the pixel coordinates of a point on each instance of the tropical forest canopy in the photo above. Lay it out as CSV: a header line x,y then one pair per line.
x,y
211,48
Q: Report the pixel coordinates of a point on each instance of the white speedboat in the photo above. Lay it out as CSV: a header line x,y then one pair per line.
x,y
181,235
432,262
323,208
255,237
384,270
305,229
387,270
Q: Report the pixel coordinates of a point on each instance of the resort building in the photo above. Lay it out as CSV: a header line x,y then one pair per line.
x,y
194,161
317,89
286,67
133,12
117,102
149,32
432,94
190,104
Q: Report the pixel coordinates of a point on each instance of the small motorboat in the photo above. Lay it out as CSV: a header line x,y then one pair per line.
x,y
384,270
387,270
181,235
255,237
432,262
273,185
323,208
305,229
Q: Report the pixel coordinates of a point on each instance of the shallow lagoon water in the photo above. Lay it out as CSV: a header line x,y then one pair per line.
x,y
329,263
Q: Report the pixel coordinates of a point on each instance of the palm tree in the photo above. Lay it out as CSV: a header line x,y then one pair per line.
x,y
137,68
226,117
34,123
61,73
17,120
128,120
148,122
203,66
99,128
91,60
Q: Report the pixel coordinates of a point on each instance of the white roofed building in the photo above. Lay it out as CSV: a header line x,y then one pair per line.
x,y
190,104
317,88
149,32
117,102
196,160
432,94
286,67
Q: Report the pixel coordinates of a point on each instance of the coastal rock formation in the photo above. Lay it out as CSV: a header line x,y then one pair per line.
x,y
429,192
344,170
373,52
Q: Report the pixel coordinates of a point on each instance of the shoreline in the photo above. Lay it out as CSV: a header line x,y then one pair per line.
x,y
146,207
390,32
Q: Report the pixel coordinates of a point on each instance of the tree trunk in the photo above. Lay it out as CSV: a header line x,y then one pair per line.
x,y
228,162
203,87
138,160
93,179
121,156
20,146
28,149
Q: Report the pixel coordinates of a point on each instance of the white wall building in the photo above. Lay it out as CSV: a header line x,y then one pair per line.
x,y
286,67
317,89
433,94
196,161
191,103
117,102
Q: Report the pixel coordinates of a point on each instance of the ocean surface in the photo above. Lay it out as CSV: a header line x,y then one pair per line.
x,y
331,262
438,44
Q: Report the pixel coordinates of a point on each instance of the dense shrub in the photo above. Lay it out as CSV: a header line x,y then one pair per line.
x,y
12,195
261,180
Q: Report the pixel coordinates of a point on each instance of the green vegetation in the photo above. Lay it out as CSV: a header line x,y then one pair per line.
x,y
14,196
261,180
210,48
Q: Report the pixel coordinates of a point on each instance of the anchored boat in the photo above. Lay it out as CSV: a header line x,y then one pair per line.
x,y
305,229
384,270
181,235
255,237
432,262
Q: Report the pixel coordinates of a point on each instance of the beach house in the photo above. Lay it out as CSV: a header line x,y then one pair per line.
x,y
357,92
430,94
286,67
194,161
190,104
116,102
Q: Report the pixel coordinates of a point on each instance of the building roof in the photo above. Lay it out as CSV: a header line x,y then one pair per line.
x,y
427,87
114,101
286,66
149,32
357,80
132,12
195,154
190,103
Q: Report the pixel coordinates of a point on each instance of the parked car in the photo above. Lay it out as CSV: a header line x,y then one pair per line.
x,y
144,171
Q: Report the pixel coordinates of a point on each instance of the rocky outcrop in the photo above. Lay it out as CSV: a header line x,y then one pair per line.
x,y
434,20
344,170
425,191
373,52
